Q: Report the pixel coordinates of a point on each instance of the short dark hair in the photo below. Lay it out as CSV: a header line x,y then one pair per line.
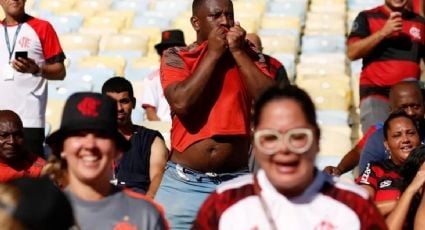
x,y
118,85
396,114
197,4
287,92
412,164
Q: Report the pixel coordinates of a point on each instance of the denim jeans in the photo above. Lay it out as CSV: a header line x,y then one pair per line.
x,y
183,190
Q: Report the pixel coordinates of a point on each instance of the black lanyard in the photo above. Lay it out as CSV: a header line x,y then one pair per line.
x,y
6,35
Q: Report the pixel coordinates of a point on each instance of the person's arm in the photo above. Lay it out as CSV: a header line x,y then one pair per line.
x,y
151,113
384,207
362,47
184,95
157,161
419,222
54,71
397,217
255,80
373,150
347,163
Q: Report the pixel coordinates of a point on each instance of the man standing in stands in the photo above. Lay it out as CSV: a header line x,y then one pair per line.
x,y
210,86
153,100
390,39
15,160
140,168
30,54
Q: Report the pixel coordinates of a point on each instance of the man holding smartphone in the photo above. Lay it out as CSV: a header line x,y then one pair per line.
x,y
30,54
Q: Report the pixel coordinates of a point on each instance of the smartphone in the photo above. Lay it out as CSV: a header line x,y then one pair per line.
x,y
21,54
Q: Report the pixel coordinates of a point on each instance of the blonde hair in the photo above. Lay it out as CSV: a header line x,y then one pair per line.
x,y
55,169
9,196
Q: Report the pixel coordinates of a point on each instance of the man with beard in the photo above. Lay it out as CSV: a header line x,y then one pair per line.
x,y
140,168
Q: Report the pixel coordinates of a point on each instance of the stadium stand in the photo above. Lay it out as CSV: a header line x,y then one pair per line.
x,y
103,38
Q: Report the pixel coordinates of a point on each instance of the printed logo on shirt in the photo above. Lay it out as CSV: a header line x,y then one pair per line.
x,y
415,32
365,176
24,42
124,224
385,183
325,225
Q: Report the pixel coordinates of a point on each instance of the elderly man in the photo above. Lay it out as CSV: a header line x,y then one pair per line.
x,y
210,86
15,160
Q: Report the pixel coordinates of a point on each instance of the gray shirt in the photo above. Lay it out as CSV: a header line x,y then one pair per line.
x,y
117,210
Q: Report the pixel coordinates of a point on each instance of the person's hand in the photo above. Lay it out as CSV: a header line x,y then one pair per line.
x,y
393,25
236,37
335,171
418,181
217,43
25,65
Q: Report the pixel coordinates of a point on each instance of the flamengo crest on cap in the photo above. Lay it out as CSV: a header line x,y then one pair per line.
x,y
88,106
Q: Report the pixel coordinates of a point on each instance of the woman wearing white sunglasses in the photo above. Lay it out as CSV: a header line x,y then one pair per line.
x,y
288,192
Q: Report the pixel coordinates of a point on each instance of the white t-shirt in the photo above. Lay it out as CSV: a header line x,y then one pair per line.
x,y
153,96
25,93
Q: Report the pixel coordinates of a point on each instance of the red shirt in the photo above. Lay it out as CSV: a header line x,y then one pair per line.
x,y
225,106
395,58
30,168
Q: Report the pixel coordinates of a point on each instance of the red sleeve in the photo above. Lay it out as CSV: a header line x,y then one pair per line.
x,y
173,68
368,177
52,49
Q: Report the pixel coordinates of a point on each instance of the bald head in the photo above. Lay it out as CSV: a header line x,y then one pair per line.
x,y
407,96
10,116
255,40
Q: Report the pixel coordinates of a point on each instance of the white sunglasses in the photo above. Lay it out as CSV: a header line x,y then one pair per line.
x,y
297,140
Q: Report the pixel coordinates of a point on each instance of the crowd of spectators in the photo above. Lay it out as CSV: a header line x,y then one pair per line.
x,y
227,101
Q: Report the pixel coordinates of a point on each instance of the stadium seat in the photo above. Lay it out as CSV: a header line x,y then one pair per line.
x,y
54,110
94,76
91,7
115,63
335,140
109,20
135,5
140,68
281,44
124,42
66,23
56,6
163,127
77,42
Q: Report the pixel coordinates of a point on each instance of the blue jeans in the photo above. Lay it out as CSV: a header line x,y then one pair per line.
x,y
183,190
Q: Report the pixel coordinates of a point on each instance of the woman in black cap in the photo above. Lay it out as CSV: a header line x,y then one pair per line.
x,y
89,142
